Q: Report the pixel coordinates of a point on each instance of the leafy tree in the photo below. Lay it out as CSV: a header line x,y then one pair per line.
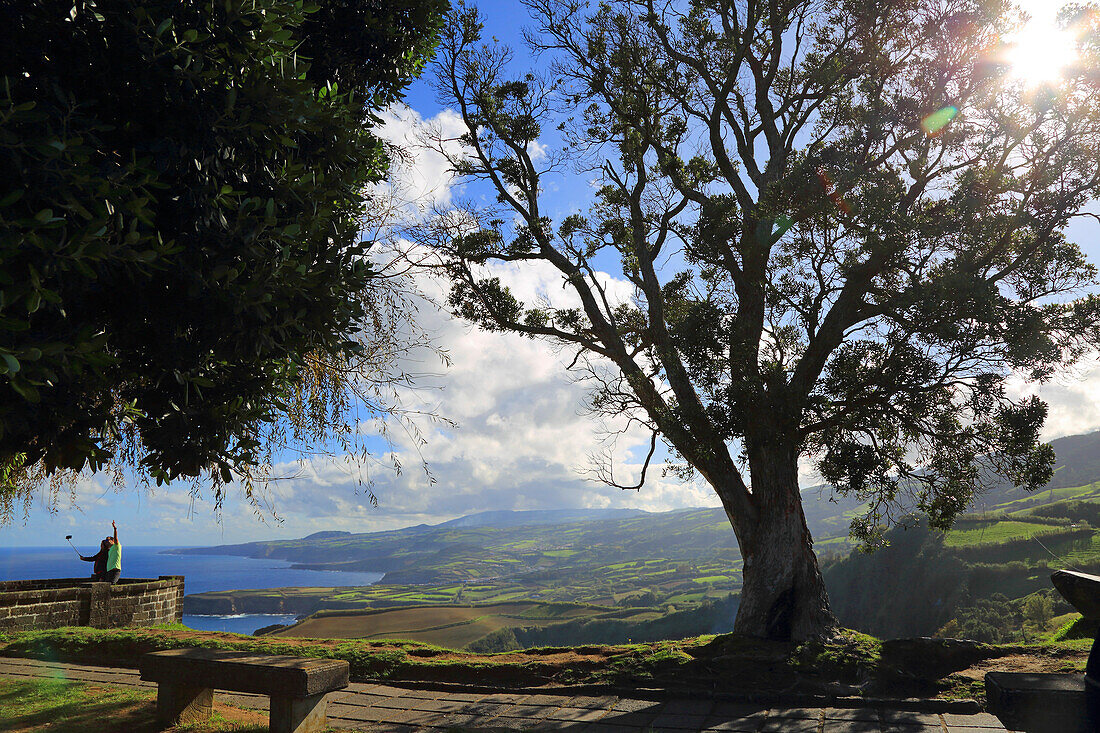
x,y
182,283
1038,610
843,223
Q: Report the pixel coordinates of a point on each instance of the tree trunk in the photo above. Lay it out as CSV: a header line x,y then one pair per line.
x,y
783,596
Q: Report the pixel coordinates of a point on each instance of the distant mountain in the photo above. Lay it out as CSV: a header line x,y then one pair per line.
x,y
508,518
1076,463
681,534
326,535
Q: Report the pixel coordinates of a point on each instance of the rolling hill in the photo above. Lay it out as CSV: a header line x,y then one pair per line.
x,y
672,562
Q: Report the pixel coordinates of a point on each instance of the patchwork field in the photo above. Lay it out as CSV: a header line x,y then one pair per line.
x,y
449,626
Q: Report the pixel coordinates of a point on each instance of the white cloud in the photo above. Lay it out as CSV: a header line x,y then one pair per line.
x,y
522,441
1073,399
420,176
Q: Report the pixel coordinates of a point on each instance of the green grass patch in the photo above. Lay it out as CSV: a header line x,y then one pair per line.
x,y
62,706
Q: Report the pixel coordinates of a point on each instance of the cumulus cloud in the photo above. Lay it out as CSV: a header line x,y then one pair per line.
x,y
1073,398
420,177
523,438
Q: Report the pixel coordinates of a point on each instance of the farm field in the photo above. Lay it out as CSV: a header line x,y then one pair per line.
x,y
684,557
995,531
449,626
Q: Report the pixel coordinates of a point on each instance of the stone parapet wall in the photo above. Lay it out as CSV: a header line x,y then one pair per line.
x,y
27,605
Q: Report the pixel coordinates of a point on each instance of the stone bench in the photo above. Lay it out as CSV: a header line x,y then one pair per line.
x,y
186,680
1039,703
1054,703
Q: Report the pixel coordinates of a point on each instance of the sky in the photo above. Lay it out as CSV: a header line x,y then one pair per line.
x,y
522,437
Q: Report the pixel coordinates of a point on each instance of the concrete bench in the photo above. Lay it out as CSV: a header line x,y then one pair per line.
x,y
1054,703
186,680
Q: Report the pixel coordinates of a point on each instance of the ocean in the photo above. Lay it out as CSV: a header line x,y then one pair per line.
x,y
202,572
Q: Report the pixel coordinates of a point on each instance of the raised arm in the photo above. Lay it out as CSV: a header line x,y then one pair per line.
x,y
115,528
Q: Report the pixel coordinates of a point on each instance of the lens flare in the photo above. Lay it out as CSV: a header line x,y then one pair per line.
x,y
1040,51
934,123
831,192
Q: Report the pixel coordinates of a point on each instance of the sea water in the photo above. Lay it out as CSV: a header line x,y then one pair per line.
x,y
202,573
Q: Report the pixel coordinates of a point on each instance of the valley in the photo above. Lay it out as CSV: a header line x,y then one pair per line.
x,y
510,579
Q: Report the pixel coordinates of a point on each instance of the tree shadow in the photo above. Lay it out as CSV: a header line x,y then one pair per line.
x,y
71,707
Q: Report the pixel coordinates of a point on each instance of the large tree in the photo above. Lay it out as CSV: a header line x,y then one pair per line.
x,y
183,285
843,223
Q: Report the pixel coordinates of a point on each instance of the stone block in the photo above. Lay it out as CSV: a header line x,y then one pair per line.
x,y
98,604
262,674
1080,589
298,714
1040,703
183,704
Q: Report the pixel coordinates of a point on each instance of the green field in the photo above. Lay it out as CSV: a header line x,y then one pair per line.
x,y
994,532
450,626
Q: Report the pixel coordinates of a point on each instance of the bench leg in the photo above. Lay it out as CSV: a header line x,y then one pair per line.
x,y
182,704
298,714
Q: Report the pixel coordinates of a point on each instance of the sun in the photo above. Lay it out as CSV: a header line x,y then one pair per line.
x,y
1040,51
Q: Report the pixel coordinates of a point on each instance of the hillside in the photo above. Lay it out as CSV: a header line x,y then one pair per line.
x,y
980,576
497,544
985,579
659,559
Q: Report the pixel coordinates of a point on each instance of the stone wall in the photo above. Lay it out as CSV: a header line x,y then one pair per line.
x,y
47,604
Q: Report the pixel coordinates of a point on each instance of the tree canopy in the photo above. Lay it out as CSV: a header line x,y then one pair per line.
x,y
843,223
183,283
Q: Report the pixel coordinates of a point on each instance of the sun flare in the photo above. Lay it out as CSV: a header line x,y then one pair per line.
x,y
1039,52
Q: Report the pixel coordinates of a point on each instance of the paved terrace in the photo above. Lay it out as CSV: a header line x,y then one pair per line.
x,y
392,709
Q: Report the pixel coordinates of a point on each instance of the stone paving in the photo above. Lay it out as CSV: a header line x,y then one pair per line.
x,y
393,709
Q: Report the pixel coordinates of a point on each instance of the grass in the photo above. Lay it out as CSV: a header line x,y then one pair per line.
x,y
62,706
741,663
993,532
1052,495
369,660
849,654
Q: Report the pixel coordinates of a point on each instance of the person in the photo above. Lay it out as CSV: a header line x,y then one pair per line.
x,y
108,561
114,557
99,569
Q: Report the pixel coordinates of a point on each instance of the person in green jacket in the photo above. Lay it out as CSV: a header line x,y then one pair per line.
x,y
114,557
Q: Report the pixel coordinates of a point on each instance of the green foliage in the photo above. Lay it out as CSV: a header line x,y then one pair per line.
x,y
908,588
1038,610
501,640
181,273
847,655
998,619
1071,512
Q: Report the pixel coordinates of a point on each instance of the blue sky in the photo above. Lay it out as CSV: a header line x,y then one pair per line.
x,y
522,439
